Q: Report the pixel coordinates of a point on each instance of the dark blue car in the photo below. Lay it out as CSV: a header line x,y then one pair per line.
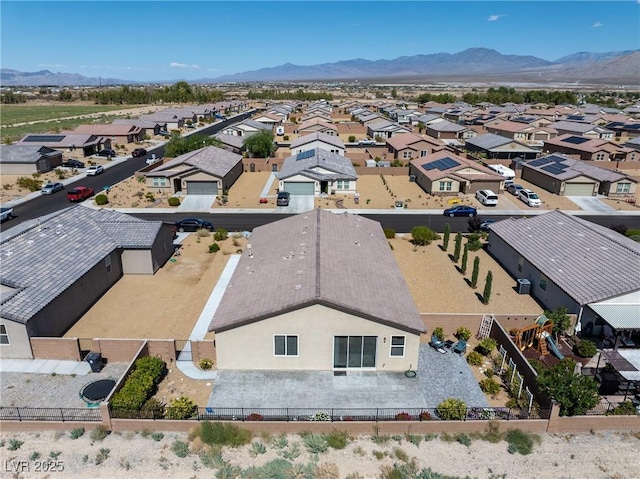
x,y
461,210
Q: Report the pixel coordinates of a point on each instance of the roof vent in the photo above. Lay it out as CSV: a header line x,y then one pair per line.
x,y
298,286
299,271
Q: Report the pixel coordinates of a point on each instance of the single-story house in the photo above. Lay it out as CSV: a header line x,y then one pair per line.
x,y
54,270
409,145
150,128
317,140
536,121
445,130
170,120
445,173
586,130
520,131
232,143
317,171
25,159
187,114
317,125
290,303
385,129
566,176
498,147
206,171
570,262
625,129
245,127
68,142
120,134
589,149
268,119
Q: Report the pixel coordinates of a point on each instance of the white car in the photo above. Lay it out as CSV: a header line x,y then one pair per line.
x,y
487,197
529,197
94,170
153,159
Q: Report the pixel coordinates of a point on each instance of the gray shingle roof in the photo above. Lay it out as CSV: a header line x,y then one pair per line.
x,y
342,261
210,159
488,141
587,261
575,168
254,124
340,166
317,136
25,153
43,261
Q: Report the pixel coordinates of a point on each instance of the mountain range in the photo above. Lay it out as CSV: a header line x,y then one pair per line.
x,y
474,64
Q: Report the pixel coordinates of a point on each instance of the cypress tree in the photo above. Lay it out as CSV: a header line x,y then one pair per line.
x,y
486,295
445,237
465,257
456,251
476,271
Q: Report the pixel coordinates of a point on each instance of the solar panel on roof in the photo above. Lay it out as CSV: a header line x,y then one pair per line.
x,y
539,161
575,117
554,168
304,155
44,138
429,166
576,140
449,162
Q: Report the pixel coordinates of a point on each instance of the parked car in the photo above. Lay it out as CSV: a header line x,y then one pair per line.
x,y
6,213
153,159
51,188
484,226
460,210
487,197
507,183
529,197
107,152
367,142
80,193
193,224
138,152
514,188
94,170
72,164
283,198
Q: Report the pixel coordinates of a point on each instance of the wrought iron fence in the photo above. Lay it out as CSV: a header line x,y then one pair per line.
x,y
607,408
50,414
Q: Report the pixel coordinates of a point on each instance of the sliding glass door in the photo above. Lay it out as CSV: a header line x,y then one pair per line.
x,y
354,352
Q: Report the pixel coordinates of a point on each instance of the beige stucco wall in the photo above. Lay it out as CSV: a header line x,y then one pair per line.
x,y
251,346
137,261
19,345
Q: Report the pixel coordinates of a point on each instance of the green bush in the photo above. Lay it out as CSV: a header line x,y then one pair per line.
x,y
30,184
473,241
220,234
626,408
102,199
537,365
463,333
389,233
153,409
214,248
352,138
315,443
490,386
223,434
99,433
439,333
337,439
181,408
586,349
452,409
520,441
475,358
489,372
486,346
155,367
421,235
77,433
180,448
139,386
173,201
205,364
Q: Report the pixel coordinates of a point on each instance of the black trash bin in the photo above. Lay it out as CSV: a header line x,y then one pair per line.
x,y
95,361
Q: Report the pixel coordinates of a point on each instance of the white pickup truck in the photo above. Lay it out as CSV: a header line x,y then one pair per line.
x,y
6,213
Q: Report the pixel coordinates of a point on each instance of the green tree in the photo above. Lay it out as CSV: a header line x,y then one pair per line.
x,y
486,295
475,272
445,238
260,145
178,145
575,393
561,320
458,245
465,258
421,235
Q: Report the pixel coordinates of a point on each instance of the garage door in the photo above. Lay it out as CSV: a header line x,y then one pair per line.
x,y
578,189
299,188
202,188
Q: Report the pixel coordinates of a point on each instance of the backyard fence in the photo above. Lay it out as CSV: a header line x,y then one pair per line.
x,y
50,414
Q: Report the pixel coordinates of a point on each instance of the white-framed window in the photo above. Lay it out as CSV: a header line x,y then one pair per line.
x,y
623,187
543,283
423,153
4,336
285,345
406,154
342,184
397,346
159,182
107,264
520,264
446,186
600,157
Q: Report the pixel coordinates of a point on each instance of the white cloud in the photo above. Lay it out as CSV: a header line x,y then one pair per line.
x,y
494,18
52,65
183,65
597,25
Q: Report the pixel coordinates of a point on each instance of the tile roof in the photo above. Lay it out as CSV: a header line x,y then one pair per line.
x,y
590,145
587,261
445,125
574,168
68,139
342,261
108,129
339,166
480,173
25,153
39,263
317,136
253,124
210,159
575,127
489,141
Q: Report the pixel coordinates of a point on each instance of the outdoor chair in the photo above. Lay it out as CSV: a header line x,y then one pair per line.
x,y
437,344
460,347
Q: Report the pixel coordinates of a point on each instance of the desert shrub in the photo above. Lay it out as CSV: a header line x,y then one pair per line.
x,y
155,367
403,416
214,248
180,448
77,432
389,233
203,233
337,439
205,364
486,346
463,333
102,199
254,416
257,448
285,137
157,436
173,201
492,432
489,372
102,455
537,365
220,234
153,409
223,434
473,242
586,349
439,333
475,358
520,441
150,197
30,184
181,408
490,386
463,439
315,443
422,235
452,409
14,444
352,138
99,433
425,416
626,408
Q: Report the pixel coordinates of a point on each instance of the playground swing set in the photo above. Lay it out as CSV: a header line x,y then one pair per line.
x,y
538,335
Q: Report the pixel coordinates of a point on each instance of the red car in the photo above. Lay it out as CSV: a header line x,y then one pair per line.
x,y
80,193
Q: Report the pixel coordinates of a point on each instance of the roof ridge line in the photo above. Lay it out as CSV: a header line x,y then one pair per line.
x,y
318,289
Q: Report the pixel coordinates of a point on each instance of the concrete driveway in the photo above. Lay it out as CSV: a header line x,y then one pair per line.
x,y
298,204
591,203
196,203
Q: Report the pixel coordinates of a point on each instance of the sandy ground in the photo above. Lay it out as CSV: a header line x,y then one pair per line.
x,y
136,455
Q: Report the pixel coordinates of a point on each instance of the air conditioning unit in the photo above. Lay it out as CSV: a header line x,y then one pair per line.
x,y
412,178
523,286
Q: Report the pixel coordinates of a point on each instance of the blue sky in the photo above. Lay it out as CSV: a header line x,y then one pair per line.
x,y
169,40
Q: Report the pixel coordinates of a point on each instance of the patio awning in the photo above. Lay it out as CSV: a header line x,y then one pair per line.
x,y
618,316
626,362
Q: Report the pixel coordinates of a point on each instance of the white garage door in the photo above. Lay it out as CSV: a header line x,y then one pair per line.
x,y
578,189
202,188
299,188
